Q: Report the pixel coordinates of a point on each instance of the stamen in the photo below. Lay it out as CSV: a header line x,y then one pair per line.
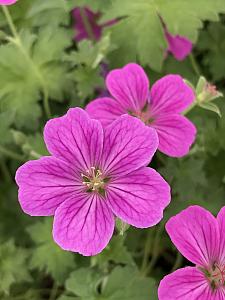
x,y
93,179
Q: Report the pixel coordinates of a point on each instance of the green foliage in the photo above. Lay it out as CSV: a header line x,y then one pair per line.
x,y
141,23
30,66
212,42
47,255
115,252
12,262
42,65
122,283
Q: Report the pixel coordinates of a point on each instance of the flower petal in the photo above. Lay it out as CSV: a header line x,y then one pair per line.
x,y
105,110
128,145
195,233
80,26
185,284
75,138
129,86
179,46
221,222
139,198
7,2
84,225
176,134
170,94
44,184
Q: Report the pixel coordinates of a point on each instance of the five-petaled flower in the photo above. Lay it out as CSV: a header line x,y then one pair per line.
x,y
7,2
92,176
200,237
160,108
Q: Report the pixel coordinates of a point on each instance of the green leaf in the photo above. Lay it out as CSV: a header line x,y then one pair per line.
x,y
84,282
211,107
49,12
115,251
47,255
141,23
31,67
12,265
212,42
87,80
127,284
7,119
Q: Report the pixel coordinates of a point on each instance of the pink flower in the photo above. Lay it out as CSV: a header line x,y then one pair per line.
x,y
178,45
86,24
7,2
200,237
92,176
161,108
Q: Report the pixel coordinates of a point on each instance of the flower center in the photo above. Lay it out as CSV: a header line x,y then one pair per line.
x,y
216,276
144,115
93,180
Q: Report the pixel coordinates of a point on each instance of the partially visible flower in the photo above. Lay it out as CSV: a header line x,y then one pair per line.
x,y
160,108
200,237
7,2
178,46
92,176
86,24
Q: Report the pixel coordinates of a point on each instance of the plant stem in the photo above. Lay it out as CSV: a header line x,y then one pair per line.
x,y
10,22
11,154
146,251
194,64
178,262
87,24
17,41
155,252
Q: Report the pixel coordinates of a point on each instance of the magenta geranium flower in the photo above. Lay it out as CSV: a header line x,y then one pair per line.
x,y
161,108
178,46
91,177
200,237
7,2
86,24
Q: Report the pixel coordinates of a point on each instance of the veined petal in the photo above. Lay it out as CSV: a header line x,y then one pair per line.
x,y
176,134
75,138
170,95
139,198
44,184
185,284
84,225
195,233
129,86
221,222
128,145
105,110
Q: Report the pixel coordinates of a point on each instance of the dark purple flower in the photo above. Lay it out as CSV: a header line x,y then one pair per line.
x,y
86,24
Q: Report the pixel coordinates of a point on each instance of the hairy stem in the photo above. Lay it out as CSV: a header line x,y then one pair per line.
x,y
146,251
155,252
194,64
17,41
